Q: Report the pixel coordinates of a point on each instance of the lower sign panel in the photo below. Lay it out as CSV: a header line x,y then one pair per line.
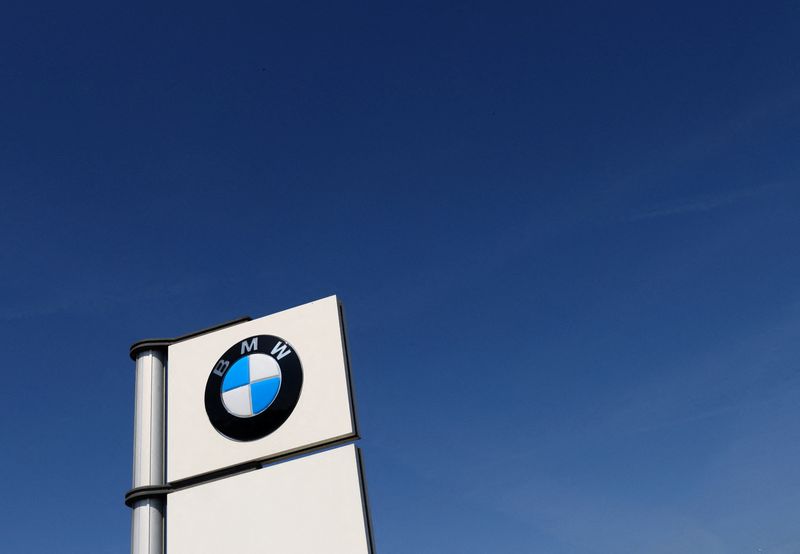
x,y
315,504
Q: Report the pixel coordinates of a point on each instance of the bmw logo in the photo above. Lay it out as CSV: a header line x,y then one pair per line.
x,y
253,388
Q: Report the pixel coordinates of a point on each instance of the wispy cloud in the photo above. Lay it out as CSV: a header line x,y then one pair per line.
x,y
101,299
705,203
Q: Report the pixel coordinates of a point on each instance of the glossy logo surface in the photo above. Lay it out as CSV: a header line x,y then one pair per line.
x,y
253,388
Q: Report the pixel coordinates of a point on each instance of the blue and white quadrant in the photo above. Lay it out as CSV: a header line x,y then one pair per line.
x,y
251,385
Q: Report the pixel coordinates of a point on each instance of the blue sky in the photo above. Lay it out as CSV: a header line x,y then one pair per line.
x,y
566,236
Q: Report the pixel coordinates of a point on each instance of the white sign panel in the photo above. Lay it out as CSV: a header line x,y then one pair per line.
x,y
312,505
258,390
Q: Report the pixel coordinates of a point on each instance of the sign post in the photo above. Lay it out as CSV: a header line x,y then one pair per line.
x,y
147,525
244,439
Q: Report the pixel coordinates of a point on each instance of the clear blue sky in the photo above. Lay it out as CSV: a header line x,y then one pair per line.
x,y
566,235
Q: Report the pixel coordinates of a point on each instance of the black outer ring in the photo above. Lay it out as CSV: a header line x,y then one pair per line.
x,y
261,425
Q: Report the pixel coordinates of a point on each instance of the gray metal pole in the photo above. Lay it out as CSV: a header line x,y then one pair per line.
x,y
147,524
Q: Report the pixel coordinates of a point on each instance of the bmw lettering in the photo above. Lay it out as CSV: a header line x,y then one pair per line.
x,y
253,388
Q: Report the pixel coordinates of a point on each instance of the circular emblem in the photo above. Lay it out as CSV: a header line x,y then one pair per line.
x,y
253,388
